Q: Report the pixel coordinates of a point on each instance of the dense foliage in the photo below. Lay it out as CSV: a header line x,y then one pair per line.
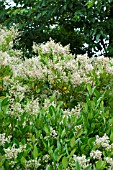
x,y
85,25
55,110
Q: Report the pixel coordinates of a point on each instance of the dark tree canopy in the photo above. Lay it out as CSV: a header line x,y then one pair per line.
x,y
86,25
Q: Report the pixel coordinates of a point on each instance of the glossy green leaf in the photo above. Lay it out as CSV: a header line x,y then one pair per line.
x,y
78,166
48,167
65,162
100,165
23,160
72,142
89,89
111,137
35,152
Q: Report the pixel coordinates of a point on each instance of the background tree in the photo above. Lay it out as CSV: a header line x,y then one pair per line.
x,y
85,25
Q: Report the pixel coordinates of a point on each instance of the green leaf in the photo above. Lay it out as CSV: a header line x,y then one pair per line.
x,y
50,151
90,115
86,107
33,139
49,167
88,168
63,133
72,152
89,89
91,142
59,157
79,133
93,125
43,13
100,165
72,142
35,152
52,110
65,162
78,166
23,160
111,121
52,98
65,6
5,102
111,137
4,105
96,93
38,90
90,4
1,167
46,129
98,37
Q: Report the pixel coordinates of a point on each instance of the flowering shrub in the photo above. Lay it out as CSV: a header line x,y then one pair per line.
x,y
55,110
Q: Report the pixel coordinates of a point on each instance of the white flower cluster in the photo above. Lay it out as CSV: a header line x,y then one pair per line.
x,y
78,127
46,158
16,89
4,58
7,37
51,46
73,111
103,141
110,162
63,68
32,164
101,59
12,61
31,68
55,165
96,154
59,72
82,161
12,152
2,34
15,109
32,107
4,139
12,163
104,63
53,133
47,103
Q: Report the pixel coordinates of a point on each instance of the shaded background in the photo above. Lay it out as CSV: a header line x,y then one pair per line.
x,y
86,25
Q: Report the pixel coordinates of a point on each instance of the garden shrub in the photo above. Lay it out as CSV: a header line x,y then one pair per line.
x,y
55,109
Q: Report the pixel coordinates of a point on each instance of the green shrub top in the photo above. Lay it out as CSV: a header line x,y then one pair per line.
x,y
55,109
